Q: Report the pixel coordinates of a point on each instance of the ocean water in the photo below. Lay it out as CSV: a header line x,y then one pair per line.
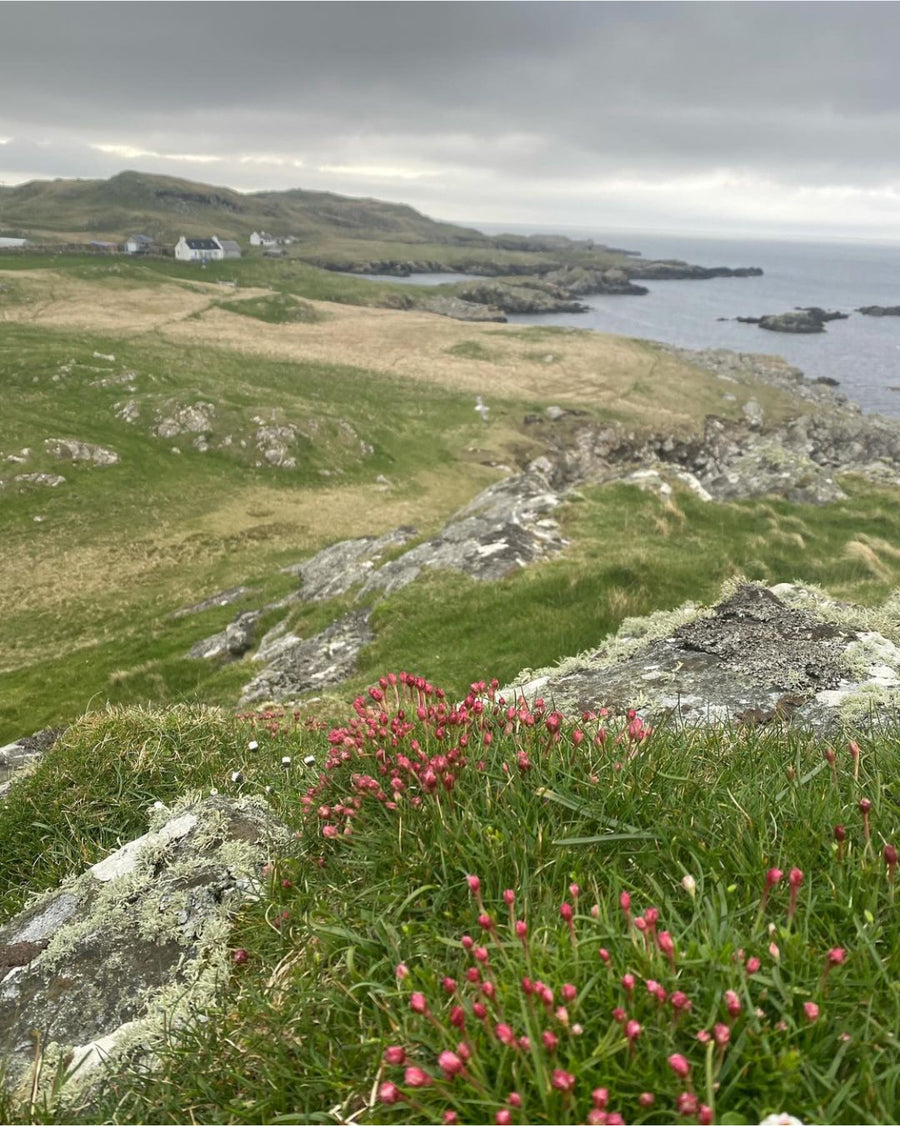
x,y
861,353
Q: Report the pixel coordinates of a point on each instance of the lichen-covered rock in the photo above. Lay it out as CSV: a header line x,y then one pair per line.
x,y
23,753
274,441
135,945
343,565
298,665
786,654
72,450
221,599
182,418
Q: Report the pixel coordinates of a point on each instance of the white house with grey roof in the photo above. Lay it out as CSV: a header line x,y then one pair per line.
x,y
199,250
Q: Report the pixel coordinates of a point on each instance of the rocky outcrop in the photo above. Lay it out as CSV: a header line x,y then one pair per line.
x,y
759,656
221,599
103,966
72,450
234,641
23,754
346,564
580,280
446,305
674,269
183,418
525,297
806,319
880,310
297,665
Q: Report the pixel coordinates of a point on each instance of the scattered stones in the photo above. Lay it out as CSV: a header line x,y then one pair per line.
x,y
49,479
115,381
72,450
788,654
131,948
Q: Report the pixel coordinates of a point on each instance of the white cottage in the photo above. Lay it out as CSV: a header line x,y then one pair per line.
x,y
263,239
198,250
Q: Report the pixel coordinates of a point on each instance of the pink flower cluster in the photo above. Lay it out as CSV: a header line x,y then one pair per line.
x,y
411,745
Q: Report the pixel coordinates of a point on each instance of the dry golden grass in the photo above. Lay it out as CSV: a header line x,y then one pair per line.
x,y
626,377
170,567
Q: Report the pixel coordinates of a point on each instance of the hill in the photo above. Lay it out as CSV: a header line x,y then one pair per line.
x,y
166,206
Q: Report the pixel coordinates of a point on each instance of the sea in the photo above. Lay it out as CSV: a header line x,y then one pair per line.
x,y
861,353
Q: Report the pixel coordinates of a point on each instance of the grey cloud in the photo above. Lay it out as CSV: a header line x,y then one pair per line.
x,y
486,97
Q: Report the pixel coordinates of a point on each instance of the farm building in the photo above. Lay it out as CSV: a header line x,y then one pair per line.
x,y
263,239
137,244
230,247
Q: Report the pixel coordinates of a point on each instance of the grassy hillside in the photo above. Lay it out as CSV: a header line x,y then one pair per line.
x,y
378,409
165,207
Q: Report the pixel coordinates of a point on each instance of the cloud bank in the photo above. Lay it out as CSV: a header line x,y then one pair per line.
x,y
742,117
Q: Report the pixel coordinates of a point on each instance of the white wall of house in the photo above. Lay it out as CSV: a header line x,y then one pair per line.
x,y
184,253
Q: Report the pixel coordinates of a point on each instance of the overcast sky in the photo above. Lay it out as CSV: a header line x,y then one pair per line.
x,y
780,118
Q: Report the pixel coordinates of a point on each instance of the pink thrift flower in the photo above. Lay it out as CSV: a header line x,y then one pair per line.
x,y
619,1015
890,859
509,897
632,1030
568,992
239,955
504,1033
503,1116
481,954
732,1003
401,970
449,1063
721,1034
625,905
566,912
704,1037
416,1078
666,944
468,942
687,1104
458,1017
679,1065
600,1098
836,956
389,1093
479,1010
417,1003
550,1041
680,1001
752,965
395,1054
628,981
561,1080
514,1099
485,921
450,1117
474,884
604,955
812,1011
704,1114
521,929
574,891
646,1099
